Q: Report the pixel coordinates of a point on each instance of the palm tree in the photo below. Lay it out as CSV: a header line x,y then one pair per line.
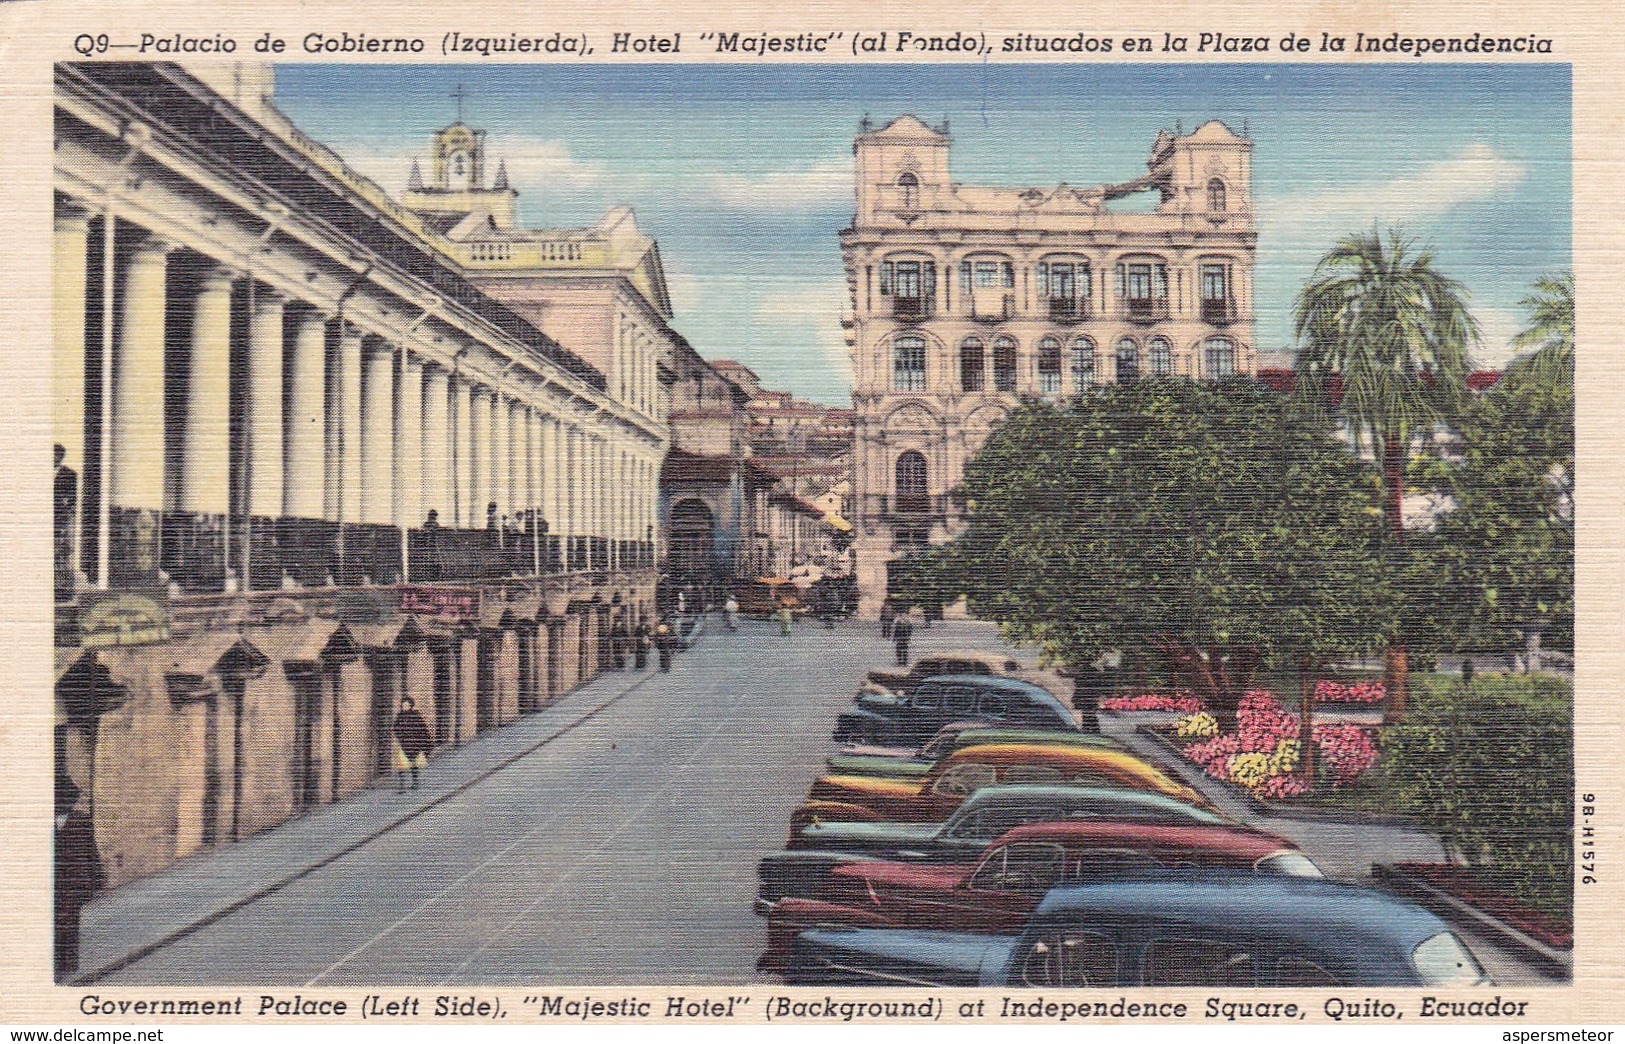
x,y
1379,320
1550,332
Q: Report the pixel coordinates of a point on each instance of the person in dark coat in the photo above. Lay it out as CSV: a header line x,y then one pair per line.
x,y
640,645
617,642
902,632
888,613
665,643
79,877
412,744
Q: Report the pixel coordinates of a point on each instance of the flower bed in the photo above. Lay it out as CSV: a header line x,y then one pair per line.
x,y
1180,702
1264,752
1328,691
1470,886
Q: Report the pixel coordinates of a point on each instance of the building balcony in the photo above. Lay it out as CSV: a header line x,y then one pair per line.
x,y
1145,309
1068,310
907,506
1218,311
911,309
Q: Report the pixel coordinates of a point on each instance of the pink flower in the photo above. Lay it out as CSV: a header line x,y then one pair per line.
x,y
1180,701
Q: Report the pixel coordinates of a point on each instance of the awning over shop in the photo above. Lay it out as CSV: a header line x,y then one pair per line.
x,y
84,688
187,662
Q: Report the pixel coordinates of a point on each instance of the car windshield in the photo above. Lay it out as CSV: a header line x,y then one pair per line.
x,y
1443,961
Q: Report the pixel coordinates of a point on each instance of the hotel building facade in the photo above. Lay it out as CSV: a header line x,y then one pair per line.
x,y
967,299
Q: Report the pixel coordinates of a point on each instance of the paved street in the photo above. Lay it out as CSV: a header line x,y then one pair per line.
x,y
622,851
612,838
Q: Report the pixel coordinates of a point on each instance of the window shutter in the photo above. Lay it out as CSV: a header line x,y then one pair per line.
x,y
1043,279
888,272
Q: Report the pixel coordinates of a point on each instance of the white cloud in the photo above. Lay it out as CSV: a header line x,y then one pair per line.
x,y
1475,173
826,184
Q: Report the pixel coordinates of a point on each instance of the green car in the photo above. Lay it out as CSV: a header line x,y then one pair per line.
x,y
913,763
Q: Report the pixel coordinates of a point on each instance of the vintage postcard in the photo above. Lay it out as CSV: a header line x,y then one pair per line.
x,y
686,517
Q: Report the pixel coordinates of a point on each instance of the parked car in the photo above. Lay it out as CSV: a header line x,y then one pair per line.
x,y
961,838
961,661
1209,930
909,763
932,797
910,719
1000,890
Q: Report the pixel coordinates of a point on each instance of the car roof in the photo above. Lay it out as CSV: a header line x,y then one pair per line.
x,y
1240,842
1075,797
1282,907
1043,754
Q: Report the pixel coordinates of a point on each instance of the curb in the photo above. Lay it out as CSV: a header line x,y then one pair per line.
x,y
137,953
1551,961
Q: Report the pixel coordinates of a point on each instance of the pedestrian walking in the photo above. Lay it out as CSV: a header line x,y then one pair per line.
x,y
785,616
640,644
412,743
665,642
730,613
618,638
888,613
902,630
79,877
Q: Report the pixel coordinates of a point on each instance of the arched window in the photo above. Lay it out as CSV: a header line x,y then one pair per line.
x,y
1083,363
908,192
908,363
1128,361
1049,366
1004,365
1219,356
910,490
1161,357
1215,196
972,364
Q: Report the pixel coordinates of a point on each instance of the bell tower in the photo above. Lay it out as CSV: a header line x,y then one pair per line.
x,y
457,179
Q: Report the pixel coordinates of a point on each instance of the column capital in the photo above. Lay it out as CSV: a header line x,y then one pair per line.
x,y
218,277
155,246
71,214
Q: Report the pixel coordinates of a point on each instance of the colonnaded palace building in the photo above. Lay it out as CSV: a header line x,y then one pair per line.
x,y
319,449
967,299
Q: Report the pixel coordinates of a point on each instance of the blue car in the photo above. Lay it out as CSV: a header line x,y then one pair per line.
x,y
911,718
1208,929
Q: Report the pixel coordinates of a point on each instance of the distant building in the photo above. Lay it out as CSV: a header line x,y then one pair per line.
x,y
966,299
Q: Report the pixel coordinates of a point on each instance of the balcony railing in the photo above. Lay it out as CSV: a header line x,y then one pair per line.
x,y
1068,310
911,308
1218,311
1145,309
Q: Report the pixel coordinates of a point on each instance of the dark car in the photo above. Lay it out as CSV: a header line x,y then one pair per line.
x,y
961,838
998,893
909,719
1210,930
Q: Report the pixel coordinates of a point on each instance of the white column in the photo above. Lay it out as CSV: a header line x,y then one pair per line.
x,y
553,477
136,473
376,485
206,449
262,421
437,473
70,243
501,455
524,453
479,486
409,444
345,452
304,450
463,450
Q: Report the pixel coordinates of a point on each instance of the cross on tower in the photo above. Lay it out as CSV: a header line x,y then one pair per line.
x,y
459,94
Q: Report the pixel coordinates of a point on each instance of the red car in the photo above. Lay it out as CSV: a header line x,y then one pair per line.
x,y
997,893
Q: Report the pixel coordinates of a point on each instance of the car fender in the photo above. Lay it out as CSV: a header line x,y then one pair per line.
x,y
817,811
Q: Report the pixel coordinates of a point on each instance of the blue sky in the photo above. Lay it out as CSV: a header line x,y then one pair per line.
x,y
743,173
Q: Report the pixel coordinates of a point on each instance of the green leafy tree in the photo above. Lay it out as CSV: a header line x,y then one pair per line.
x,y
1500,563
1219,525
1380,324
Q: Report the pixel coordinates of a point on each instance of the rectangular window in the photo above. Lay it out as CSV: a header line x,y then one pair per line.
x,y
970,368
908,366
908,279
987,275
1213,288
888,272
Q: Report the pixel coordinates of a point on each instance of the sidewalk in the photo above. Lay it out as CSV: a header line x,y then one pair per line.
x,y
127,923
